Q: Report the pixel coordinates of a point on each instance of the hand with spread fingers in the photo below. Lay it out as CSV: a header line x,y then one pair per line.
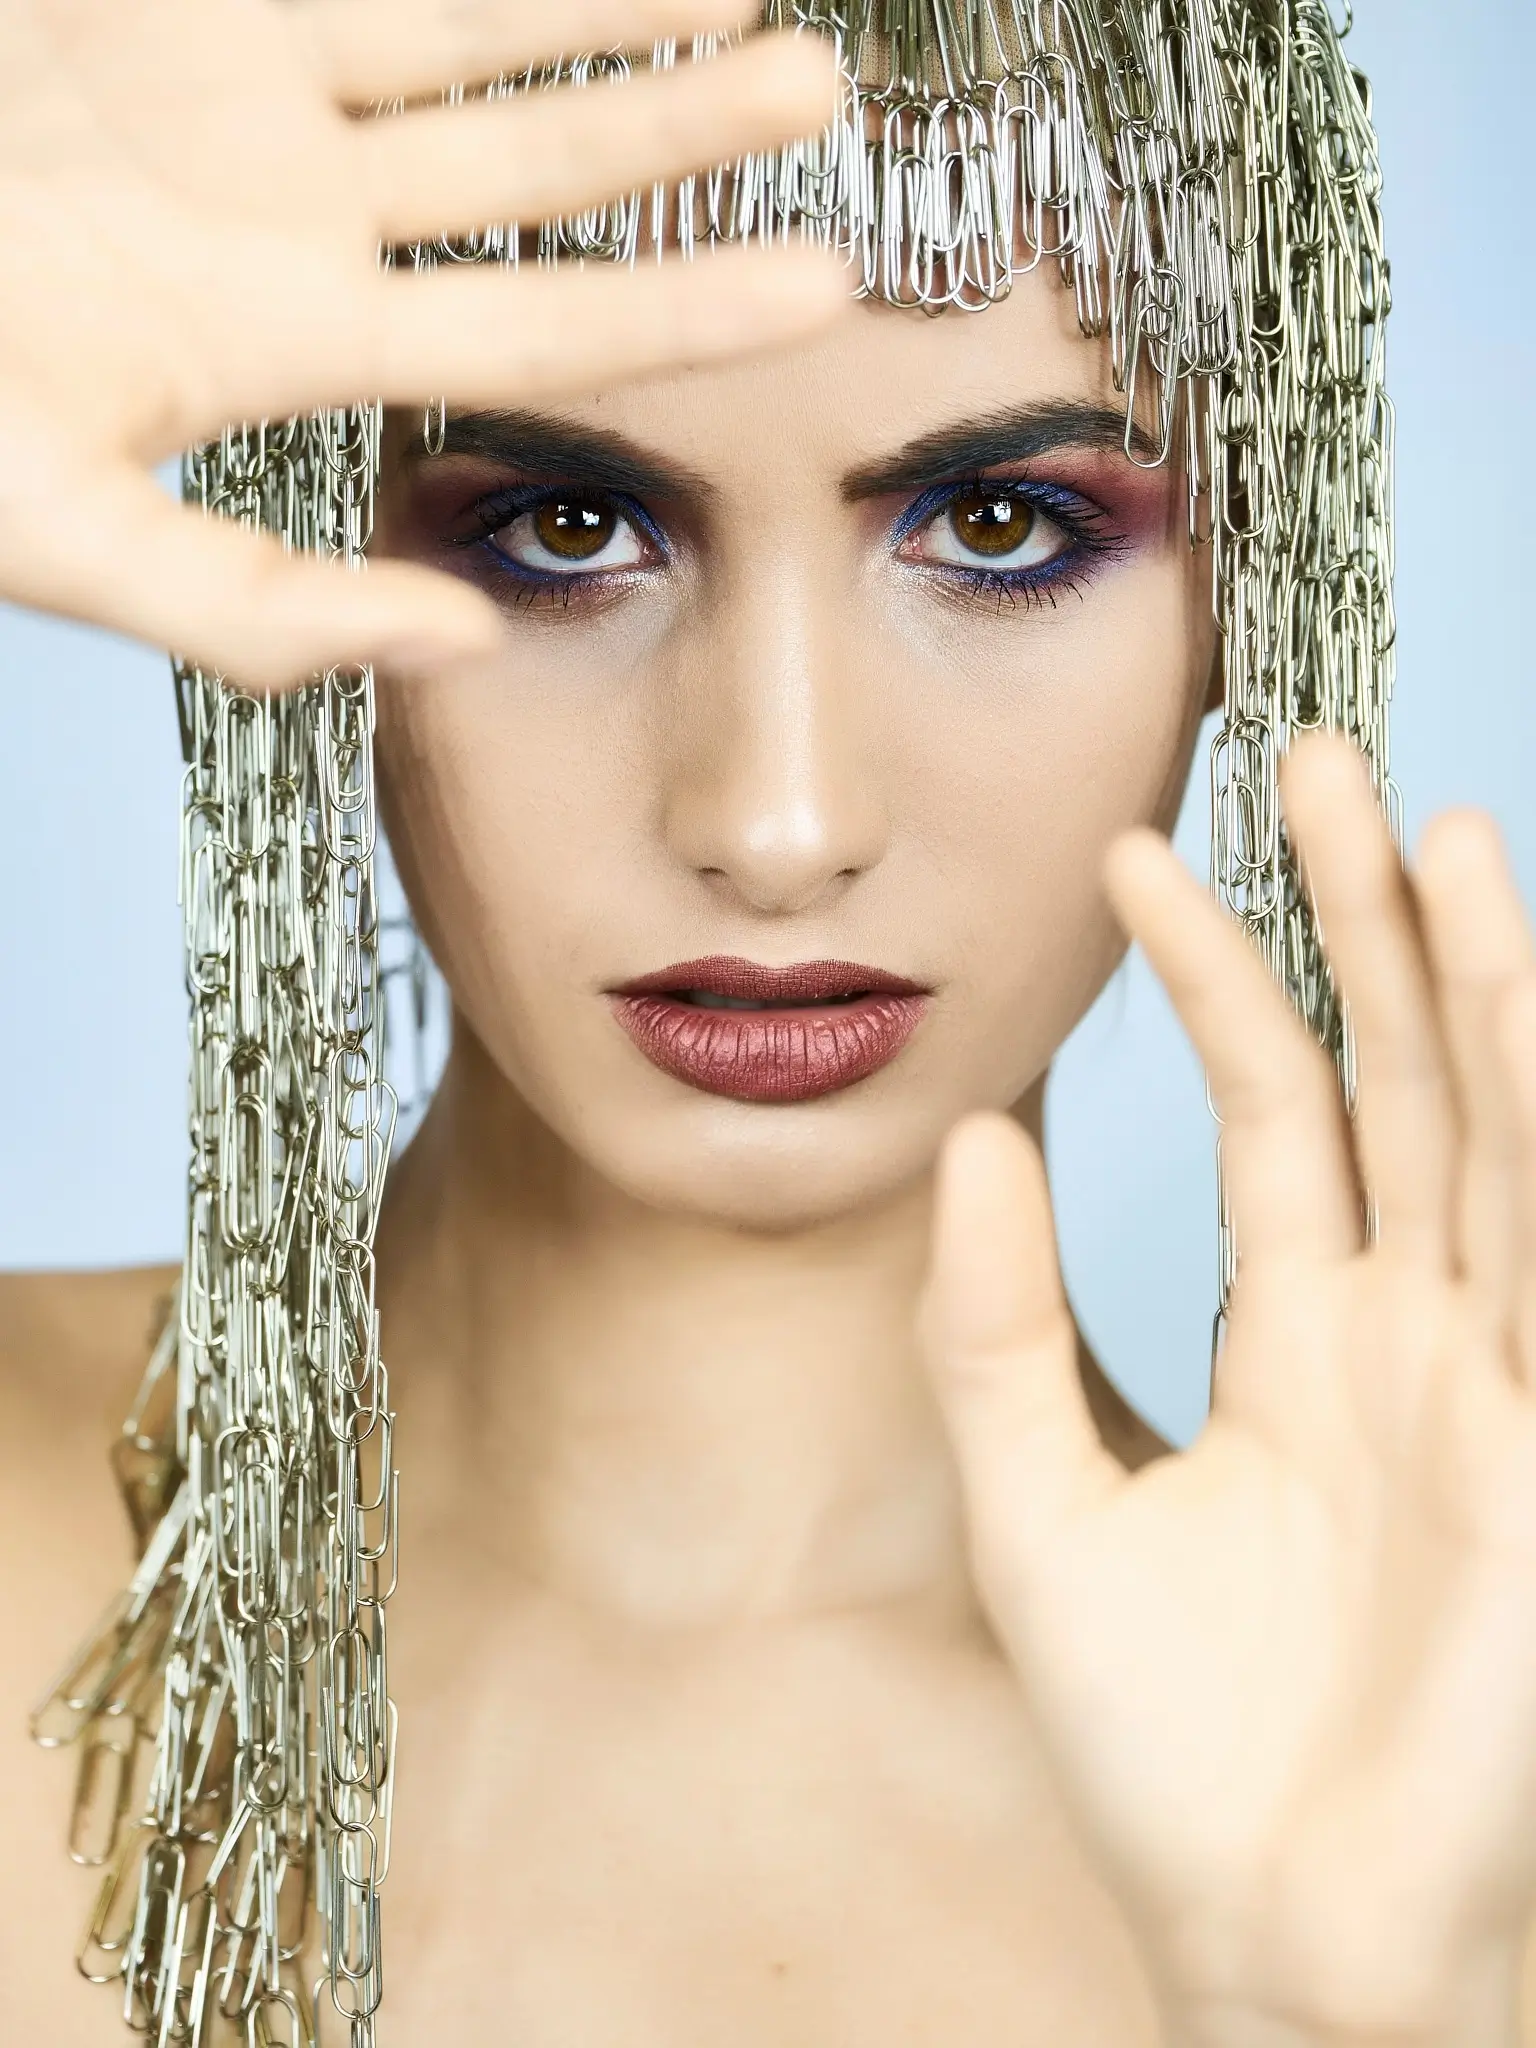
x,y
1288,1677
177,175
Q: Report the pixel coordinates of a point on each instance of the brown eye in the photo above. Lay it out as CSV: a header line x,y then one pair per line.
x,y
570,538
989,530
575,529
988,524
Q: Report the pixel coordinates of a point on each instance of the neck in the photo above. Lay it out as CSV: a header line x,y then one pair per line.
x,y
679,1422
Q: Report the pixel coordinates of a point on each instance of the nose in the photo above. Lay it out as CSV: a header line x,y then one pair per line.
x,y
770,797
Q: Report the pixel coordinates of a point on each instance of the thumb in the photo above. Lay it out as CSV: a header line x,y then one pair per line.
x,y
1001,1348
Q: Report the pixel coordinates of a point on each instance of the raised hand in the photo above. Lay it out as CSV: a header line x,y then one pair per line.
x,y
1288,1678
191,221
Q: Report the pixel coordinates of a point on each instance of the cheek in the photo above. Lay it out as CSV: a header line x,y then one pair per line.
x,y
504,813
1061,731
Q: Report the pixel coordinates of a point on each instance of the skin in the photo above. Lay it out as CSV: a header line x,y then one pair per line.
x,y
798,1640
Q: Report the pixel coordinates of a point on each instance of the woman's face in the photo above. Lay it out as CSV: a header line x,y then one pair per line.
x,y
861,656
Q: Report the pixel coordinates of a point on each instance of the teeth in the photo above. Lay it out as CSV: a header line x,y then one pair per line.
x,y
703,1000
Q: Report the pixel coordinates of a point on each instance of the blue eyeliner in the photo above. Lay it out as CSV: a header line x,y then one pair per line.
x,y
1080,520
504,507
1083,524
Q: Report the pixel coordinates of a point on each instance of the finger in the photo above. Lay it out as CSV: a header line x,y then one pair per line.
x,y
1284,1141
1404,1119
482,335
233,601
1516,1031
537,157
1479,944
368,50
1002,1346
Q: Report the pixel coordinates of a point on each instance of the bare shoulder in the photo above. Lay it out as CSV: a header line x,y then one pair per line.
x,y
73,1347
77,1341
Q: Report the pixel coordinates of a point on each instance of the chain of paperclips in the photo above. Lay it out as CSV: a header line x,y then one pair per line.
x,y
233,1710
1204,175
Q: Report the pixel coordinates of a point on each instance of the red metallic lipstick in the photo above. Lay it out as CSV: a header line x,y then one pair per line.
x,y
770,1034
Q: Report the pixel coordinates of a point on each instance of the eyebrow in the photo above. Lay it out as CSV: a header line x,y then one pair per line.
x,y
597,458
592,458
1017,434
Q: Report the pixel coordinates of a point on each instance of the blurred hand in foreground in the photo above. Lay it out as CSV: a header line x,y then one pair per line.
x,y
192,217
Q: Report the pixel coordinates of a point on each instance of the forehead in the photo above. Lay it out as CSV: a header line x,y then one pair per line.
x,y
880,378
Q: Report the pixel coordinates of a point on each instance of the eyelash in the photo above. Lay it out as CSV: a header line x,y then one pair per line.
x,y
491,514
1084,524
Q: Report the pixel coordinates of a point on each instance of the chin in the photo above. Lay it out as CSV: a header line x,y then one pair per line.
x,y
772,1170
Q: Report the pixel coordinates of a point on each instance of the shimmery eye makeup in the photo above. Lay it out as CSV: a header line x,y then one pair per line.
x,y
1023,540
993,531
569,539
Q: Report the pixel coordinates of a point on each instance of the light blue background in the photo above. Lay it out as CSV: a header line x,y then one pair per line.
x,y
92,1027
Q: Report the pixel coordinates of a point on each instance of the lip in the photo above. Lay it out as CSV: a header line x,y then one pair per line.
x,y
786,1054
